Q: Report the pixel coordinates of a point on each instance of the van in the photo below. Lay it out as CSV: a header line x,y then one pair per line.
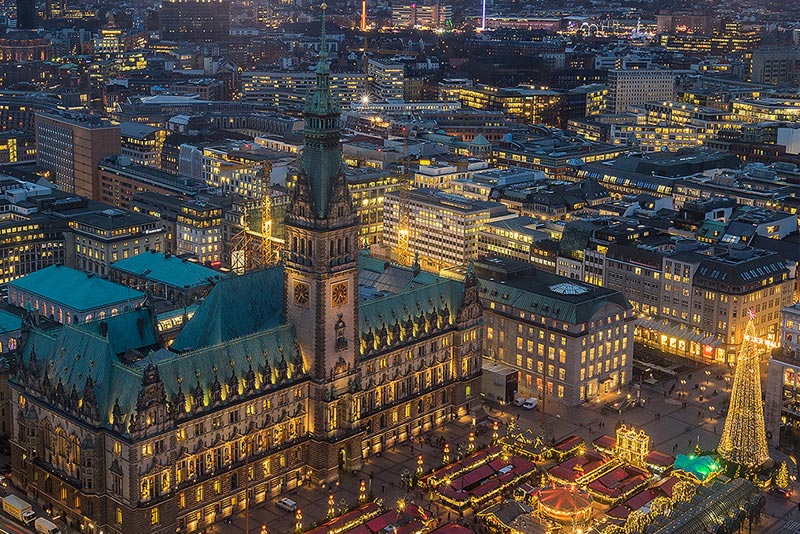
x,y
530,404
287,504
44,526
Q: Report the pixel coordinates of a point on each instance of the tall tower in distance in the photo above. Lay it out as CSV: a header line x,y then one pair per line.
x,y
321,276
363,15
744,439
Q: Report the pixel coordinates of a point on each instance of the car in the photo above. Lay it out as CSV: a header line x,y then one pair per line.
x,y
784,492
530,404
519,401
287,504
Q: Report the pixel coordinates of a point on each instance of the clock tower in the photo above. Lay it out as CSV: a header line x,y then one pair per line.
x,y
321,280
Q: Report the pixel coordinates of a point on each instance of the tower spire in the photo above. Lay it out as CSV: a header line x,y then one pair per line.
x,y
322,154
323,38
744,438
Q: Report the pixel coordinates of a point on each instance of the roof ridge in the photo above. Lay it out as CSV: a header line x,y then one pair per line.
x,y
233,341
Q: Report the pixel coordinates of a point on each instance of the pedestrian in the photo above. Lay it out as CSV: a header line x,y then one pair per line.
x,y
383,488
448,516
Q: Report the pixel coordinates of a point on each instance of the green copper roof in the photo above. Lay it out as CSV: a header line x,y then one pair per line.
x,y
9,322
75,289
169,270
237,306
392,297
73,352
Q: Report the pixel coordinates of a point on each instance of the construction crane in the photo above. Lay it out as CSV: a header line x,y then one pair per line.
x,y
404,256
269,254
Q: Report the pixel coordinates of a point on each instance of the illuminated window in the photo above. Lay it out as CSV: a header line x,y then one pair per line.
x,y
119,516
154,516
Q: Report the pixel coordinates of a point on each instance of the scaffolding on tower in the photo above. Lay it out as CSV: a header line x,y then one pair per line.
x,y
253,246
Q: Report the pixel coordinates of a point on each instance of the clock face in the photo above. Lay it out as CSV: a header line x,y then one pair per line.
x,y
301,293
339,294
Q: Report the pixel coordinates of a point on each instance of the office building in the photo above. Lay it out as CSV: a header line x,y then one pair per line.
x,y
442,227
199,232
142,143
293,374
71,145
29,240
196,20
99,238
368,188
775,66
120,180
569,342
634,87
288,90
429,15
386,79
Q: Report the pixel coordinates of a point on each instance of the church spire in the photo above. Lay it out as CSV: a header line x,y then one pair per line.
x,y
322,155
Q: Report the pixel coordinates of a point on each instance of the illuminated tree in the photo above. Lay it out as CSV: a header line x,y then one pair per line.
x,y
614,529
744,439
660,506
782,478
683,491
636,522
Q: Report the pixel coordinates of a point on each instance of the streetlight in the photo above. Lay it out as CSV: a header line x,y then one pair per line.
x,y
362,492
446,454
471,446
331,507
298,516
495,435
419,465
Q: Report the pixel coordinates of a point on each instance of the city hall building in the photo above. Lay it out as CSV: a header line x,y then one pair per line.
x,y
282,377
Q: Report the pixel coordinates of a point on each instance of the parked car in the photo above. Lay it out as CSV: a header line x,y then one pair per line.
x,y
284,503
784,492
519,401
530,404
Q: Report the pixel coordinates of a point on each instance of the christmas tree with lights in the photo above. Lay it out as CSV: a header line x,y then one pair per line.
x,y
744,439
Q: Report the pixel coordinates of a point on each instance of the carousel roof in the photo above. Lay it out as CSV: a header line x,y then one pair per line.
x,y
564,499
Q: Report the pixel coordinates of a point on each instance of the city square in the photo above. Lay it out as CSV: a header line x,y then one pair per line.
x,y
670,427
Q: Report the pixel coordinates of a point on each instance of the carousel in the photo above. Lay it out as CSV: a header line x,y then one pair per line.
x,y
565,505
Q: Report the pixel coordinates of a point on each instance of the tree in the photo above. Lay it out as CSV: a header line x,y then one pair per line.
x,y
782,478
744,438
636,522
660,506
614,529
683,491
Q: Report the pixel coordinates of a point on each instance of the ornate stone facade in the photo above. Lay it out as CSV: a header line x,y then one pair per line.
x,y
281,377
